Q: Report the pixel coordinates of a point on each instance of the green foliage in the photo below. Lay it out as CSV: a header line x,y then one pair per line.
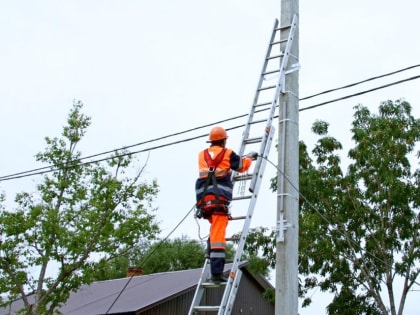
x,y
172,255
270,295
114,268
359,231
260,250
162,256
81,211
346,303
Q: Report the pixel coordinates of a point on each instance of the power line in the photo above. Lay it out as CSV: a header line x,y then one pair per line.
x,y
360,82
360,93
52,168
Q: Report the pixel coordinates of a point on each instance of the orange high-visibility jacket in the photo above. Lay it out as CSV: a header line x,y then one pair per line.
x,y
230,161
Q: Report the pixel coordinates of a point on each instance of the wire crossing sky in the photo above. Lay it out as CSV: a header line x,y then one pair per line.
x,y
50,168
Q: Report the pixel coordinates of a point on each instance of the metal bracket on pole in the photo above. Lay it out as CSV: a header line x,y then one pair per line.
x,y
282,226
294,67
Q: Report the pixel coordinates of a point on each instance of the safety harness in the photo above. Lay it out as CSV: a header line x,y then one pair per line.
x,y
210,203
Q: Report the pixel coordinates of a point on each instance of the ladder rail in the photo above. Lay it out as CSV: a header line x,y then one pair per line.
x,y
227,298
234,291
288,49
279,87
198,295
232,285
245,134
280,84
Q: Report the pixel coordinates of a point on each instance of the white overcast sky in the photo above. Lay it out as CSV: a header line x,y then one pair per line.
x,y
148,69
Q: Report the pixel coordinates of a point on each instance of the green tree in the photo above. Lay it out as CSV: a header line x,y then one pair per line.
x,y
116,267
172,255
81,211
161,256
359,231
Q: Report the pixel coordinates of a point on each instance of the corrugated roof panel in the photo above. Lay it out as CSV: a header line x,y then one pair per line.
x,y
129,294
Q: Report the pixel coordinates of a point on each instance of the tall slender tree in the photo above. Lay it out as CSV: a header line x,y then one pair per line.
x,y
81,211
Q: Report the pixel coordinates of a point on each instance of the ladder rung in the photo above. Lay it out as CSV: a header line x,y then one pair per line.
x,y
238,218
257,121
271,72
242,198
240,178
278,42
283,27
262,104
267,88
253,140
275,56
232,239
206,308
209,284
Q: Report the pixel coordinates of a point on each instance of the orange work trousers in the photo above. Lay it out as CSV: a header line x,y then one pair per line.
x,y
217,242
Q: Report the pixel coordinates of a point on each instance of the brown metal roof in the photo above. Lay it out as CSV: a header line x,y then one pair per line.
x,y
129,294
132,294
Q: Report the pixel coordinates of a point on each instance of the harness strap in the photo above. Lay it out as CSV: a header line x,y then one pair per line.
x,y
212,164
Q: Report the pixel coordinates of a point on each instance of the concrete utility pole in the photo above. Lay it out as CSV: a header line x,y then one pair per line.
x,y
288,178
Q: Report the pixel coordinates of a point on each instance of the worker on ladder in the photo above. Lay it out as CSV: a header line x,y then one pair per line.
x,y
214,193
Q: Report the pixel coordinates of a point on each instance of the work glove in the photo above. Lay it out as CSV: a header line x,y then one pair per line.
x,y
253,155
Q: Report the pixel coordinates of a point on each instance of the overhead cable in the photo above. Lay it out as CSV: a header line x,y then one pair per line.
x,y
360,82
359,93
52,168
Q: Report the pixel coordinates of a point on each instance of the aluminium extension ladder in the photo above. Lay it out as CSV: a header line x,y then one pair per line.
x,y
276,65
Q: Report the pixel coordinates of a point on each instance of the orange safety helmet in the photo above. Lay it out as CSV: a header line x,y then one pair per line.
x,y
217,133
